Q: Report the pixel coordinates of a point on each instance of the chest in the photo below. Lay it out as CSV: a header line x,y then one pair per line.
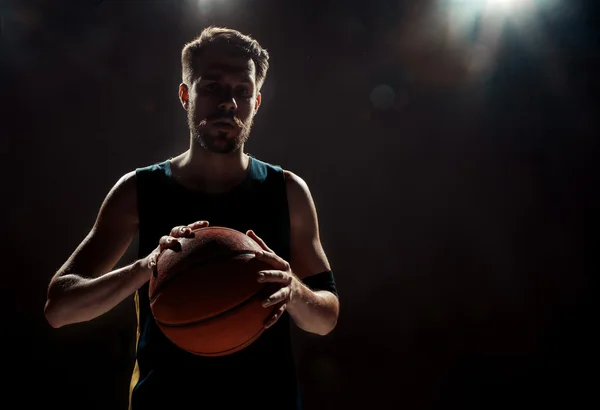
x,y
263,210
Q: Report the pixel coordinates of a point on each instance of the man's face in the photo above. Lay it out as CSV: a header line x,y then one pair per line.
x,y
222,101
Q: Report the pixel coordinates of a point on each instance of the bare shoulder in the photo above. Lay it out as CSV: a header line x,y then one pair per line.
x,y
126,184
307,254
121,201
291,177
115,226
297,188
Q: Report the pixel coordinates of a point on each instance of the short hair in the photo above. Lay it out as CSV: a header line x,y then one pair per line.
x,y
233,40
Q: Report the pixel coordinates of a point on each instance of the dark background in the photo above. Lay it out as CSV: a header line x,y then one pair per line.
x,y
453,166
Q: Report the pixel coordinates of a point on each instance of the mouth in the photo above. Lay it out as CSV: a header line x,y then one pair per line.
x,y
224,124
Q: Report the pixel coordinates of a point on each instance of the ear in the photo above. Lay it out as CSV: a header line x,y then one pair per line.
x,y
184,96
257,102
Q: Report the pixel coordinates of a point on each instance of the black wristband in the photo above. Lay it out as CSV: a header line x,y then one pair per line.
x,y
321,281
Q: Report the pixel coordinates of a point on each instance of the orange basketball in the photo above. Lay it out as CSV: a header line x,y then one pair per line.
x,y
204,295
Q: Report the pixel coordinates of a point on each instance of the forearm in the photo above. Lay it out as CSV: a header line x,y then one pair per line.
x,y
314,311
73,299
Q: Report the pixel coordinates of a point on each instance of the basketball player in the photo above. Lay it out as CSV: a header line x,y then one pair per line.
x,y
214,182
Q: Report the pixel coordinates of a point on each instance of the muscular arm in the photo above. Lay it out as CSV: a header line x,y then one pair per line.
x,y
86,287
313,311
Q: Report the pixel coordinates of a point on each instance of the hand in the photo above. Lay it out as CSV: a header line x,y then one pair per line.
x,y
168,241
280,274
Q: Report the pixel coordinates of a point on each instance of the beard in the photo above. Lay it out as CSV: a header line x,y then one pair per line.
x,y
218,141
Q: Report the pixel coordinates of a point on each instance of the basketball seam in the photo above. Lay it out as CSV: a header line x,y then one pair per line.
x,y
217,228
223,313
195,265
246,343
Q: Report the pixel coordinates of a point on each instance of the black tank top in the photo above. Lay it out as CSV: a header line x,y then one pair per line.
x,y
262,375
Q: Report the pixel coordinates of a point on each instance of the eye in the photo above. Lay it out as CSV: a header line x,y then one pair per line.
x,y
244,91
211,86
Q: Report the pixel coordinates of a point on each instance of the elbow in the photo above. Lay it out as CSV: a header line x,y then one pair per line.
x,y
331,322
325,331
52,314
54,309
328,328
321,327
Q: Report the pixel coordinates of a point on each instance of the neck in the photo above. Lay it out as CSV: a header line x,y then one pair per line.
x,y
199,169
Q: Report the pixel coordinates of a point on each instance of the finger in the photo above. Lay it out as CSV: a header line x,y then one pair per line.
x,y
167,242
181,231
275,317
275,276
198,225
262,243
153,259
272,259
280,296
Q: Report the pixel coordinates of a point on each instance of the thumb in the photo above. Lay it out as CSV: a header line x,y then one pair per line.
x,y
255,237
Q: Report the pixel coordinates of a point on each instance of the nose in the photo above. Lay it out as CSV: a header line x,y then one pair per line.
x,y
228,103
